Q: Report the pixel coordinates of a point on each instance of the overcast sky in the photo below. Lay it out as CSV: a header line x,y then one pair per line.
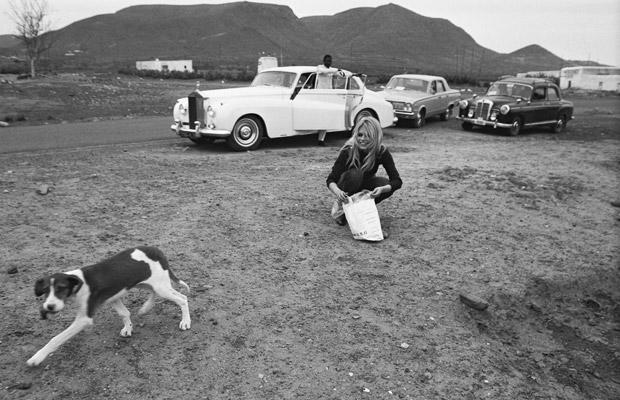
x,y
571,29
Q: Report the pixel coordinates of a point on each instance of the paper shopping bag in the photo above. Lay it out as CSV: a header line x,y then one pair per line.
x,y
363,217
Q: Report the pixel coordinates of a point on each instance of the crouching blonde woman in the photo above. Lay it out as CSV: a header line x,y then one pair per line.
x,y
357,164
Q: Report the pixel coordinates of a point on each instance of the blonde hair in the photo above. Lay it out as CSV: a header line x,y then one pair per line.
x,y
376,146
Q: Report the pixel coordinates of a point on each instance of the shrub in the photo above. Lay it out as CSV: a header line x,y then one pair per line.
x,y
210,75
13,68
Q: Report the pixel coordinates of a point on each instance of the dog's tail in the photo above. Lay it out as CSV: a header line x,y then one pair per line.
x,y
177,280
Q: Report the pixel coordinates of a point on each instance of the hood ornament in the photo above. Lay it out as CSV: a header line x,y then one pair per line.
x,y
197,86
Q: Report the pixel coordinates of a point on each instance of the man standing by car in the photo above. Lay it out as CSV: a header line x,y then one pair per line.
x,y
324,73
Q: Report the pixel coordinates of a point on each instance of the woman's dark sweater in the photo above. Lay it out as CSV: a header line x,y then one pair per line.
x,y
384,158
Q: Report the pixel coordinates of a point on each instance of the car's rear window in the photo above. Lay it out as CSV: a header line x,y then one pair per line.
x,y
552,93
274,78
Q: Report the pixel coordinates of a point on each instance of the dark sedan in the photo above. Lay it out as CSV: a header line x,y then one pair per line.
x,y
517,103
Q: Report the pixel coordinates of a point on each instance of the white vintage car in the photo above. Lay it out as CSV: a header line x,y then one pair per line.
x,y
280,102
418,97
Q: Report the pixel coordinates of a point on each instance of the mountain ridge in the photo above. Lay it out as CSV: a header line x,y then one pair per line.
x,y
237,33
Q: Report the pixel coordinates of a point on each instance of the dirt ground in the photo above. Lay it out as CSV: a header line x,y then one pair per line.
x,y
285,304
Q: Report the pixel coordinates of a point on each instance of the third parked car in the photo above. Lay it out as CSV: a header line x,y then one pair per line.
x,y
418,97
516,103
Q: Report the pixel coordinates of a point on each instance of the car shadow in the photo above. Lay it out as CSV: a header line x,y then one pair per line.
x,y
410,124
526,132
333,140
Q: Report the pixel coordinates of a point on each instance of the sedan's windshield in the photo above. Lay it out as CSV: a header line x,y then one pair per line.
x,y
419,85
510,89
274,78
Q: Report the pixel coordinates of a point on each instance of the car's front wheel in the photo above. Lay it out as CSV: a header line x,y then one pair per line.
x,y
515,126
420,119
247,134
363,114
560,124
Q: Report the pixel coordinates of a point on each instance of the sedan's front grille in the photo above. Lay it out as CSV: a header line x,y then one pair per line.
x,y
483,109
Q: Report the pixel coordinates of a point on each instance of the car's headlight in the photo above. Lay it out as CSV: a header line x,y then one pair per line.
x,y
493,116
470,114
181,108
211,117
407,107
210,112
463,104
505,109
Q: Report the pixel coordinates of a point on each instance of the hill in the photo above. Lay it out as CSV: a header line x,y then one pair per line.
x,y
8,41
204,33
409,42
534,57
236,34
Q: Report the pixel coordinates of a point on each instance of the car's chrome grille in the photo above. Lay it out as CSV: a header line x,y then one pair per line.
x,y
398,105
483,109
195,105
191,105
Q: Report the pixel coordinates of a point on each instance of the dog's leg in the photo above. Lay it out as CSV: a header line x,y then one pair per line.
x,y
168,292
148,304
121,310
76,327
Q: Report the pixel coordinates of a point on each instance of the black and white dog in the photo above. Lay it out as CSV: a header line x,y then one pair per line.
x,y
106,283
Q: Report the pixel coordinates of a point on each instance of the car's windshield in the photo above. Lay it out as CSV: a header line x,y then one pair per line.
x,y
274,78
510,89
407,84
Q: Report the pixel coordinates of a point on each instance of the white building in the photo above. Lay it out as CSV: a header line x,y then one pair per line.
x,y
267,62
160,65
591,78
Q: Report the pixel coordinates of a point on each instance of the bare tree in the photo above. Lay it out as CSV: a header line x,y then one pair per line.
x,y
31,21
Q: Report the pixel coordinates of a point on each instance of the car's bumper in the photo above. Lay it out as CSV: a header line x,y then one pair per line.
x,y
405,115
484,122
186,132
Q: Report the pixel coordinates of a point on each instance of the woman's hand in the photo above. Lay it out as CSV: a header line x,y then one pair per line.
x,y
340,195
380,189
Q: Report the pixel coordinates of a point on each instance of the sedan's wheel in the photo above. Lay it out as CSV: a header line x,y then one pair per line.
x,y
246,135
560,124
446,114
419,121
363,114
515,126
467,126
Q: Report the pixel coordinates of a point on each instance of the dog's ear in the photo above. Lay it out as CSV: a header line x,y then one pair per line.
x,y
41,286
75,282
